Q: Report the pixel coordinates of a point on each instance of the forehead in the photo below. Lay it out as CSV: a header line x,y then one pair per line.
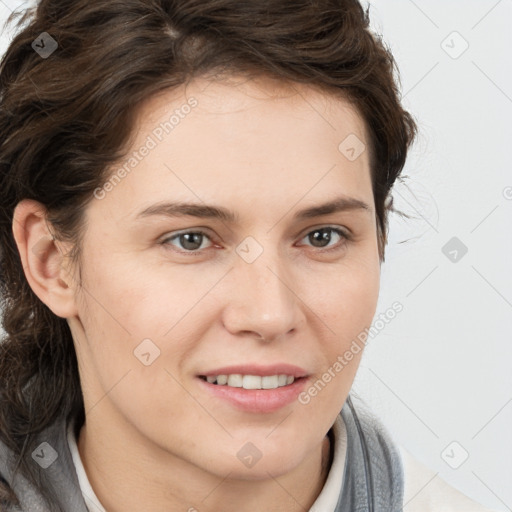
x,y
257,140
261,95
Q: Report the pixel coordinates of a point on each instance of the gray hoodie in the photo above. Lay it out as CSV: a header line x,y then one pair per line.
x,y
372,481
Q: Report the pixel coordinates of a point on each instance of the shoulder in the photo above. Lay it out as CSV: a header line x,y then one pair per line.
x,y
48,483
425,491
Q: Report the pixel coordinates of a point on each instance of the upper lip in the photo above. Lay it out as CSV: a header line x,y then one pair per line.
x,y
254,369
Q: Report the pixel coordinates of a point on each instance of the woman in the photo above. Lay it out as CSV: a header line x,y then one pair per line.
x,y
195,198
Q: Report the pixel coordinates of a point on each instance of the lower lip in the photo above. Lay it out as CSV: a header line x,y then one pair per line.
x,y
257,400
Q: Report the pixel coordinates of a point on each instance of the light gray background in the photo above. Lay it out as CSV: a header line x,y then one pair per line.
x,y
440,371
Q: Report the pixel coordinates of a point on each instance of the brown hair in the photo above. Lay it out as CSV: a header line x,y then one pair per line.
x,y
66,118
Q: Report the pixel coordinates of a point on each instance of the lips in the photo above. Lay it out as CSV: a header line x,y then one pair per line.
x,y
255,388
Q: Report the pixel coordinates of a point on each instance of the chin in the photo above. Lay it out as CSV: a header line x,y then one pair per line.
x,y
262,470
257,461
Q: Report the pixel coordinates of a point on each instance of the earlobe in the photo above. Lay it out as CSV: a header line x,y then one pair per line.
x,y
42,259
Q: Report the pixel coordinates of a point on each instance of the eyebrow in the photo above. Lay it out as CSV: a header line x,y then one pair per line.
x,y
204,211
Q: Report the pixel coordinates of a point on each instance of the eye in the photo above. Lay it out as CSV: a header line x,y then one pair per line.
x,y
321,237
190,241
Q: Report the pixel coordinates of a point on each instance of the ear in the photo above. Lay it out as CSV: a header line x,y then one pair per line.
x,y
44,262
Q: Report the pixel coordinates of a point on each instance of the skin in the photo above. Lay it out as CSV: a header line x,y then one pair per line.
x,y
153,439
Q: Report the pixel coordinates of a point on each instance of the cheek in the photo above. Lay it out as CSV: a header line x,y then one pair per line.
x,y
348,307
347,298
137,299
134,314
358,299
134,355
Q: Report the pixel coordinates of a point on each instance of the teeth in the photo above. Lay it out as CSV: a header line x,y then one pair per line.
x,y
222,379
252,382
237,380
269,382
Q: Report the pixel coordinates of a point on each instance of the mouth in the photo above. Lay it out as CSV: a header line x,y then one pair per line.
x,y
254,388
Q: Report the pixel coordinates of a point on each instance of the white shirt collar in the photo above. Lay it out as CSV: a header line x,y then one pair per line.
x,y
326,501
328,498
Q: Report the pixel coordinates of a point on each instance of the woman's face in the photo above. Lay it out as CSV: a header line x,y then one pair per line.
x,y
205,257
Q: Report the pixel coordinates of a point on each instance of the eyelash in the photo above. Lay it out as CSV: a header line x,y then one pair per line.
x,y
346,237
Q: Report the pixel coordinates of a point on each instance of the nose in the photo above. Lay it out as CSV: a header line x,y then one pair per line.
x,y
261,300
